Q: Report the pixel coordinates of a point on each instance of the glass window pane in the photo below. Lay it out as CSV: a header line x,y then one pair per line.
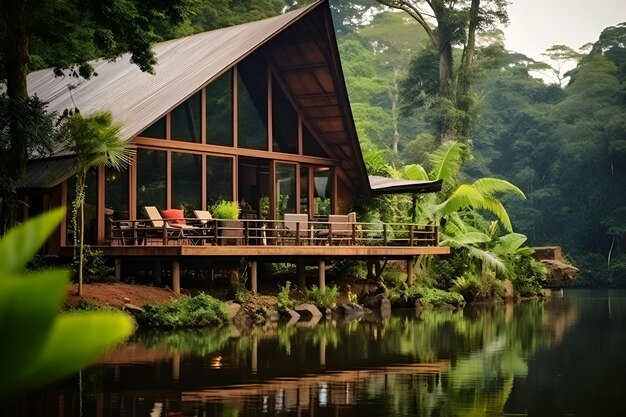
x,y
90,208
219,106
186,120
116,194
219,179
156,130
323,191
285,189
252,104
284,122
186,182
150,180
310,146
254,186
304,190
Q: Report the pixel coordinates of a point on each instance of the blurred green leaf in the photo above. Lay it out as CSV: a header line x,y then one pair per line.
x,y
28,306
21,243
76,340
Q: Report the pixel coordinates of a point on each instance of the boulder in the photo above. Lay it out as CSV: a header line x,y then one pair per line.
x,y
379,302
133,310
293,315
308,309
233,309
560,273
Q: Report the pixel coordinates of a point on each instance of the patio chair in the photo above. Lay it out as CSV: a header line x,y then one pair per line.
x,y
173,226
340,228
297,228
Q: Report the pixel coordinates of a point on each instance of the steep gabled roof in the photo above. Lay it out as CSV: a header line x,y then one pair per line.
x,y
137,99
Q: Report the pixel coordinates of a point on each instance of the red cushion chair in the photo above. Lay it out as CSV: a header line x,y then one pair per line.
x,y
174,216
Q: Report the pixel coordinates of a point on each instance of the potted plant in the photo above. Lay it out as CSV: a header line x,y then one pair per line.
x,y
230,230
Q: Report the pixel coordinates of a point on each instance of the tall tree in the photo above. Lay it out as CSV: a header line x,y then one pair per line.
x,y
450,23
105,28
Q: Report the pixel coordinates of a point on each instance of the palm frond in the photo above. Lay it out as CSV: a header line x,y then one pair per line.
x,y
415,172
494,206
509,243
464,196
490,186
489,259
465,239
447,161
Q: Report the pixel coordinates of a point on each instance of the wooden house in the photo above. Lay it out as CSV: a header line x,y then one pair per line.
x,y
257,113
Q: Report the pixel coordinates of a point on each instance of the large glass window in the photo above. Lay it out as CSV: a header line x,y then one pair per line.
x,y
186,122
253,186
323,191
90,208
186,182
252,104
285,189
150,180
116,194
304,190
156,130
284,122
219,179
219,107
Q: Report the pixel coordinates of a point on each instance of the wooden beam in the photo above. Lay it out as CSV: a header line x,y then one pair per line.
x,y
301,274
176,276
410,279
118,269
253,276
322,274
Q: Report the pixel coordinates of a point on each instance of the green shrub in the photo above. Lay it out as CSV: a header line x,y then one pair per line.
x,y
323,299
283,301
436,297
527,275
85,305
197,311
226,210
95,268
468,285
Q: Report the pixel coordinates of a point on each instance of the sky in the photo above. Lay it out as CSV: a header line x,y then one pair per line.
x,y
537,24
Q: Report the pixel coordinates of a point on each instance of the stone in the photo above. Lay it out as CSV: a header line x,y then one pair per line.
x,y
308,310
272,315
233,309
126,300
133,309
508,290
560,273
293,315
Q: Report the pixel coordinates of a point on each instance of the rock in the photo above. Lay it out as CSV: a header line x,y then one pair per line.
x,y
272,315
233,309
508,290
328,311
308,310
293,315
560,273
126,300
379,302
133,309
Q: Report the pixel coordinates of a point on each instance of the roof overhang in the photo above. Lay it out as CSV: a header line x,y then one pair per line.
x,y
382,185
47,173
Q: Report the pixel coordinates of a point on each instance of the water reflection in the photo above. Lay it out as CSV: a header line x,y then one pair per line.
x,y
429,363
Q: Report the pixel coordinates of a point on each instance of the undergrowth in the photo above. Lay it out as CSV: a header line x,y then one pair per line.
x,y
197,311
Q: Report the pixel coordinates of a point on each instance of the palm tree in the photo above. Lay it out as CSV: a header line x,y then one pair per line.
x,y
457,207
96,142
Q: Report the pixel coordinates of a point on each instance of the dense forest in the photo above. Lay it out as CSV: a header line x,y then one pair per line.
x,y
441,99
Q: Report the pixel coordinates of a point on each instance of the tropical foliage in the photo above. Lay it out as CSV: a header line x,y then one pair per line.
x,y
44,345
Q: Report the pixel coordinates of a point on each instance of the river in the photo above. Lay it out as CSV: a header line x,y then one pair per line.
x,y
565,356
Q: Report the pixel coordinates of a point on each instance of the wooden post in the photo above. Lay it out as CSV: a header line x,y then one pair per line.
x,y
322,274
157,271
253,277
118,269
176,276
301,274
409,271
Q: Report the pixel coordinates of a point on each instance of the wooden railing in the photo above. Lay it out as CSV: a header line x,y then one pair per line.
x,y
250,232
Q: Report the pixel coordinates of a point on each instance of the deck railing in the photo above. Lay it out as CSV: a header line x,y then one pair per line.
x,y
251,232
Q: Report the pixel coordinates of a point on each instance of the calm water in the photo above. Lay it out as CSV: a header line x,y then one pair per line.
x,y
562,357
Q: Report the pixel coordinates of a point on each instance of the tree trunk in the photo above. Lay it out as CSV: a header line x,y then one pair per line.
x,y
395,113
17,36
463,99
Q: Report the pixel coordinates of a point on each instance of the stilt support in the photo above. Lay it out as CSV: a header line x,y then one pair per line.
x,y
322,274
410,278
176,277
301,274
157,271
118,269
253,276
